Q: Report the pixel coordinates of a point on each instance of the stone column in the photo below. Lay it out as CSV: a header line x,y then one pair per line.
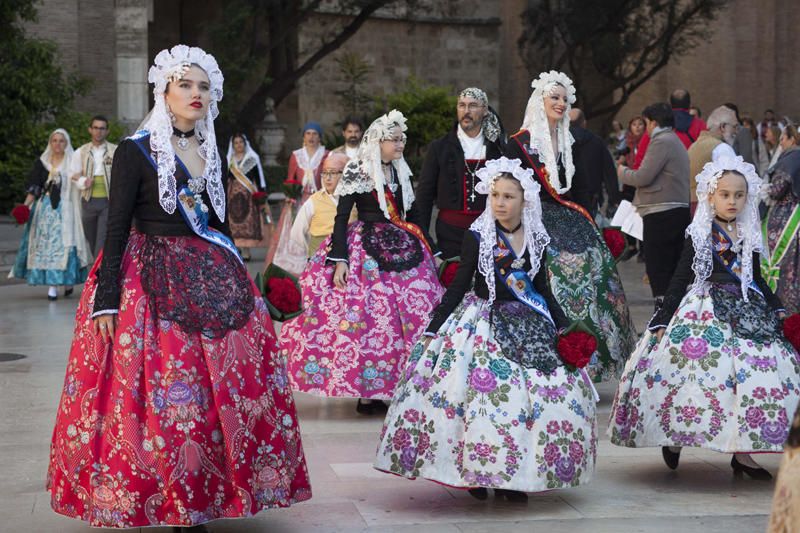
x,y
130,23
270,136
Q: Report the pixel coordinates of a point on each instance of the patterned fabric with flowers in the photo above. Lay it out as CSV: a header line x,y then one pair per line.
x,y
705,385
169,426
354,342
585,281
395,249
466,415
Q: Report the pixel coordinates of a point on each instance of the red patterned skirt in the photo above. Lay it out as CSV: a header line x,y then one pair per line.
x,y
188,416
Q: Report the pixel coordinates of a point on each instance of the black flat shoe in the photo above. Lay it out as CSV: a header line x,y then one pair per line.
x,y
52,298
670,458
755,473
513,496
68,292
479,494
365,408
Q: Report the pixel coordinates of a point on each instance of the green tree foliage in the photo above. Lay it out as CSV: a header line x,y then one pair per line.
x,y
430,110
353,75
35,96
610,48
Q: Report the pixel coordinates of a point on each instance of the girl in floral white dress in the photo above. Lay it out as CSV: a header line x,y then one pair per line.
x,y
486,401
714,370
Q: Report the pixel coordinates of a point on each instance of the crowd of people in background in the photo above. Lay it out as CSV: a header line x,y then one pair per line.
x,y
769,144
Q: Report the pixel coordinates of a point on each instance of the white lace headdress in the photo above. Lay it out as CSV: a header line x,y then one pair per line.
x,y
364,173
536,123
249,160
747,237
536,237
170,66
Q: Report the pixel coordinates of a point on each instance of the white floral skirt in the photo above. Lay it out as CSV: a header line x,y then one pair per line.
x,y
722,377
466,416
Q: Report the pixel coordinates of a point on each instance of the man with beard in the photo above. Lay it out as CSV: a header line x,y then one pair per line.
x,y
448,174
712,144
352,131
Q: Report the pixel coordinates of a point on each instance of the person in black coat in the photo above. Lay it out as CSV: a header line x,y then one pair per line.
x,y
594,166
448,173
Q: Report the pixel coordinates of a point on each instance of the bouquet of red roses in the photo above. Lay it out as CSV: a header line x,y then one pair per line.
x,y
447,271
292,189
576,345
21,214
791,330
615,241
281,292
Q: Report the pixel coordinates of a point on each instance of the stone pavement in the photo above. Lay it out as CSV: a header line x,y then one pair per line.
x,y
632,490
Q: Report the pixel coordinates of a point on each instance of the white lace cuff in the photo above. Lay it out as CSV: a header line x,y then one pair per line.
x,y
105,312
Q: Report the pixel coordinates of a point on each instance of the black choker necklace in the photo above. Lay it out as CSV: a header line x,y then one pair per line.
x,y
183,137
728,223
510,233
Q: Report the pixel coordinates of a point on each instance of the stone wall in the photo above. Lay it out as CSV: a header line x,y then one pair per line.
x,y
454,51
85,34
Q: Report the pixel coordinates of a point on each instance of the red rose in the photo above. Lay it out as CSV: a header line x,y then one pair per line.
x,y
283,294
576,348
260,197
791,330
449,273
21,213
615,241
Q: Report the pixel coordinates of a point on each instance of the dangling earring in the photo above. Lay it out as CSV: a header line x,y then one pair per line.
x,y
171,115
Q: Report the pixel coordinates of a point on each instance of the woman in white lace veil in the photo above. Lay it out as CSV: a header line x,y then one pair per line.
x,y
54,250
493,340
366,172
245,178
170,305
727,378
582,270
370,286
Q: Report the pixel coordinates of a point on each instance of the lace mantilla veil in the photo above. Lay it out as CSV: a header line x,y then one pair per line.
x,y
364,174
170,66
748,228
536,237
535,122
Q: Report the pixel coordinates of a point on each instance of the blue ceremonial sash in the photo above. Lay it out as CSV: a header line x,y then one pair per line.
x,y
516,279
724,254
190,210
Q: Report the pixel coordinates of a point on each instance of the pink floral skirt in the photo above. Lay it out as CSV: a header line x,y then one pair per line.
x,y
354,342
175,423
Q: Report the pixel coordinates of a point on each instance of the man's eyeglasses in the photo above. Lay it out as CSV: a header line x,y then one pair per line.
x,y
331,173
469,107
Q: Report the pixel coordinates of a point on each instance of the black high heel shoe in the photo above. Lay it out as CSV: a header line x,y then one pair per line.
x,y
68,292
755,473
670,458
479,493
365,408
514,496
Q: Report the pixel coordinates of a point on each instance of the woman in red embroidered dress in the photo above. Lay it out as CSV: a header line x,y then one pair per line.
x,y
175,410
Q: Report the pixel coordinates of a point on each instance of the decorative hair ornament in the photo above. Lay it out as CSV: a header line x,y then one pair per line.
x,y
747,237
536,237
171,66
491,122
365,172
535,121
